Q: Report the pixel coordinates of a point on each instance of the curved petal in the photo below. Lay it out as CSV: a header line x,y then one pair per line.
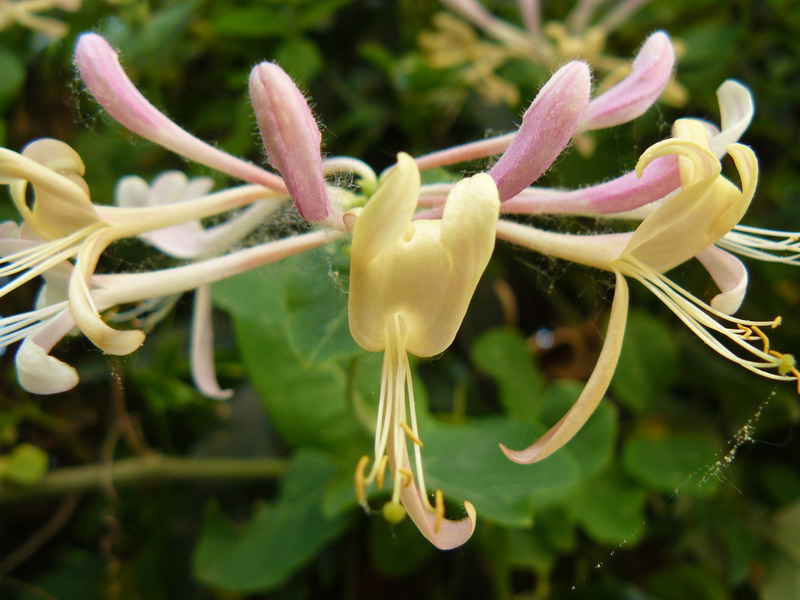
x,y
631,97
442,533
103,76
547,126
40,373
292,140
736,109
563,431
730,275
202,350
82,305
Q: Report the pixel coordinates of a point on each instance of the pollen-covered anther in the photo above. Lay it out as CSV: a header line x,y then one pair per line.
x,y
411,435
438,498
777,322
361,480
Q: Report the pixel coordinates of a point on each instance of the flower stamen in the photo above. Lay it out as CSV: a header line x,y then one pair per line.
x,y
411,434
439,508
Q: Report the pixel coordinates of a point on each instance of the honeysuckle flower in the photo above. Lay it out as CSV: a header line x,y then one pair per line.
x,y
42,328
410,285
551,43
69,226
191,240
682,226
622,103
23,12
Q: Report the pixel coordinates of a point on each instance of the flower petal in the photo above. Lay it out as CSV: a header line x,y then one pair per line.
x,y
736,109
102,74
730,275
202,351
40,373
445,534
631,97
563,431
546,129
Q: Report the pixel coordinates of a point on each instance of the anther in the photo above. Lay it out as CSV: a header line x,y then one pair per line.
x,y
360,479
763,337
408,475
411,435
777,322
382,470
439,508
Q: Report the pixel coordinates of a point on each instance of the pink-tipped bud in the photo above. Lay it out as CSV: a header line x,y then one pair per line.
x,y
547,127
292,139
105,79
650,72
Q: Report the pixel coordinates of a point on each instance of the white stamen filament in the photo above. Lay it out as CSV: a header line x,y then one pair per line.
x,y
697,316
396,389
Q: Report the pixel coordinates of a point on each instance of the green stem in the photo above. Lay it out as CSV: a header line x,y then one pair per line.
x,y
151,468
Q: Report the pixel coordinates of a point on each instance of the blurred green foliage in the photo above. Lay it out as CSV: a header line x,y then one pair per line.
x,y
684,484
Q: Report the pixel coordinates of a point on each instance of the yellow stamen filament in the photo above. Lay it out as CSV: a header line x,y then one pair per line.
x,y
360,479
764,339
439,508
408,477
382,471
411,435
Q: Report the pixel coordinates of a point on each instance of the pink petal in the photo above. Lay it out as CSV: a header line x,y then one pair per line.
x,y
546,129
563,431
730,275
291,137
631,97
203,371
447,534
103,76
660,178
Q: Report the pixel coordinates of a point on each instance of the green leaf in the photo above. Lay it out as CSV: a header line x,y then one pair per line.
x,y
26,465
78,576
278,540
610,507
672,461
686,581
253,22
290,323
397,550
301,58
648,364
502,354
13,70
785,531
466,463
299,298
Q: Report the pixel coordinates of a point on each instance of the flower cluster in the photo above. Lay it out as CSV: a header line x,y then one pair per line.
x,y
25,13
417,250
454,44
